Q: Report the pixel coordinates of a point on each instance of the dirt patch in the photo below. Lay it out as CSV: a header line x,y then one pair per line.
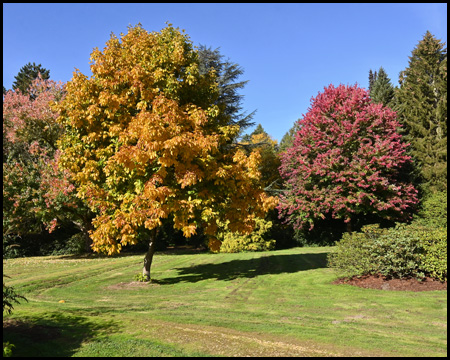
x,y
33,331
380,282
132,285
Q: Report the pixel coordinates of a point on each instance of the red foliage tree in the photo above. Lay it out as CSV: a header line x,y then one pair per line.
x,y
36,193
346,160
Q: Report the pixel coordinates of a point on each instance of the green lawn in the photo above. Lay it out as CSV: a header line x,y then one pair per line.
x,y
278,303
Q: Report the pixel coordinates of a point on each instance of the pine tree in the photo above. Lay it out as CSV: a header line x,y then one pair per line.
x,y
288,139
422,109
227,72
27,74
382,90
372,78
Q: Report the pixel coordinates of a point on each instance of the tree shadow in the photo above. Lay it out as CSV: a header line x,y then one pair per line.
x,y
55,334
248,268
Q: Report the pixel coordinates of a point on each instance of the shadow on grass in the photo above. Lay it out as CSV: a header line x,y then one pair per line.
x,y
54,334
270,264
171,250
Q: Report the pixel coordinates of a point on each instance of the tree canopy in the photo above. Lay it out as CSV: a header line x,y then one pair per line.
x,y
422,109
345,161
148,139
27,74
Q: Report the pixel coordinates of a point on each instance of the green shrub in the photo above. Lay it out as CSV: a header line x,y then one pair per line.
x,y
397,252
433,210
434,259
353,252
256,241
404,251
140,278
75,245
7,349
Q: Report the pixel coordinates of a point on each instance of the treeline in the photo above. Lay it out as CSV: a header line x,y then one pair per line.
x,y
152,150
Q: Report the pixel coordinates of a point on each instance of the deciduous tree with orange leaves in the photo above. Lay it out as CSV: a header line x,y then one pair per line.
x,y
146,138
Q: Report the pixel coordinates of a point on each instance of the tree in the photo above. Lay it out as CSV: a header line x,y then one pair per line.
x,y
147,139
345,161
27,74
382,90
36,193
372,79
261,141
227,73
288,139
422,109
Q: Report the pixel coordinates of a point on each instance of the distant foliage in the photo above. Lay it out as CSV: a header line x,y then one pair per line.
x,y
256,241
345,162
27,75
433,212
35,191
259,140
382,91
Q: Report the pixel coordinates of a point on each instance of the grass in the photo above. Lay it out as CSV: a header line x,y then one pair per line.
x,y
278,303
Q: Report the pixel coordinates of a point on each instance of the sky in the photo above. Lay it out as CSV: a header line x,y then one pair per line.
x,y
289,52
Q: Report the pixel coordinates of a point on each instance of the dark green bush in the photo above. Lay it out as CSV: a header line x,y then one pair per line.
x,y
397,252
433,210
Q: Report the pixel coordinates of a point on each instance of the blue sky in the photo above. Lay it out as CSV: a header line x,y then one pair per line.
x,y
289,52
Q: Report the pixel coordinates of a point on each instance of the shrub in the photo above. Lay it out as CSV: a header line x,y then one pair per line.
x,y
7,349
397,252
433,210
353,252
256,241
404,251
434,259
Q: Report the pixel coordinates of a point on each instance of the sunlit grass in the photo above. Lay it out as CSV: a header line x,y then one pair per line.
x,y
279,302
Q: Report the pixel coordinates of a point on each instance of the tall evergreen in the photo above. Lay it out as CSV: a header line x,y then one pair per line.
x,y
228,73
372,78
288,139
422,108
382,90
27,74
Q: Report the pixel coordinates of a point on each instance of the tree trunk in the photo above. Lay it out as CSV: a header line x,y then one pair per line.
x,y
85,225
349,227
149,256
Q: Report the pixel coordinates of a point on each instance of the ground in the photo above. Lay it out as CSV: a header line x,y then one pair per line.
x,y
381,283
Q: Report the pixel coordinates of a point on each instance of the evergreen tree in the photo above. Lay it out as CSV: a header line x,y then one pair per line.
x,y
227,73
27,74
382,90
372,78
422,109
288,139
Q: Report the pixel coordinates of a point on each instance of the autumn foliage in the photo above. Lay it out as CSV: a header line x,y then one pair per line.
x,y
147,139
35,191
346,160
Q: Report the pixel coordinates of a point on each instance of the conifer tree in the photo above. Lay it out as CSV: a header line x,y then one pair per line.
x,y
422,108
372,78
382,90
27,74
288,139
227,73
